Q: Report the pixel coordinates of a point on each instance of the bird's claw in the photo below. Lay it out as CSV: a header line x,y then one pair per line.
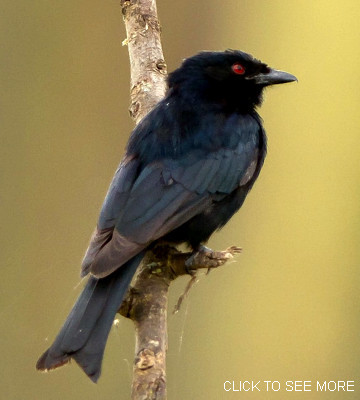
x,y
207,258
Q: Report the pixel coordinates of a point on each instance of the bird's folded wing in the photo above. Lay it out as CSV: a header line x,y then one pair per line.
x,y
164,195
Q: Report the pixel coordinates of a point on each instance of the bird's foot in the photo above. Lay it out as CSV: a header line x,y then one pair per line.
x,y
204,258
207,258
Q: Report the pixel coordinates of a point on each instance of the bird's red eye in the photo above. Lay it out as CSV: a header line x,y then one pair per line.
x,y
238,69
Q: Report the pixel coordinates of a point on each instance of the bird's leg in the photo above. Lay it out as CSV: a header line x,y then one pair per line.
x,y
204,257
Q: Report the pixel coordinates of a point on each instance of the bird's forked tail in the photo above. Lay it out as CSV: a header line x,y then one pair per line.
x,y
84,334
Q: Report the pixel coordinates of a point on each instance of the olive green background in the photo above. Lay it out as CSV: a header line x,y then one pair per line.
x,y
288,308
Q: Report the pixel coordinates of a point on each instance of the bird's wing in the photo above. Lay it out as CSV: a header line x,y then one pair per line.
x,y
142,207
112,209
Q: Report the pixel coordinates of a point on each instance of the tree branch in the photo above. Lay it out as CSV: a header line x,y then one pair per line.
x,y
149,295
146,301
147,65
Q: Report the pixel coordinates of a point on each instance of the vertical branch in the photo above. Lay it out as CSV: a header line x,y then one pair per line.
x,y
146,305
147,65
150,292
146,302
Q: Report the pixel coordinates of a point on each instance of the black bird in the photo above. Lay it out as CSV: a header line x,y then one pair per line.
x,y
188,167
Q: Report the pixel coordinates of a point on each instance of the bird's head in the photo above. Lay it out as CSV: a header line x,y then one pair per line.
x,y
232,78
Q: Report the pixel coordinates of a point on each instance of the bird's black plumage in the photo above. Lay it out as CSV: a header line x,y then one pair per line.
x,y
188,167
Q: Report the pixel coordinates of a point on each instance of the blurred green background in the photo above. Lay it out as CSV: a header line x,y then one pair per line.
x,y
288,308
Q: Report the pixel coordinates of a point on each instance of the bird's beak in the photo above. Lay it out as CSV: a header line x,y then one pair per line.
x,y
273,77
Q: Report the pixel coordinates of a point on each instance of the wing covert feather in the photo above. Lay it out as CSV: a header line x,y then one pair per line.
x,y
144,204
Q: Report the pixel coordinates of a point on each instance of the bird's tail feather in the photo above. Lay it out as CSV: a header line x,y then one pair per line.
x,y
84,334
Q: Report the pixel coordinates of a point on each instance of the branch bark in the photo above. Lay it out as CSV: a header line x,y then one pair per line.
x,y
147,64
149,311
146,301
146,304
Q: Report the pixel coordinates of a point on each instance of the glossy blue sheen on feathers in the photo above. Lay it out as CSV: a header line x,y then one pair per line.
x,y
188,167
